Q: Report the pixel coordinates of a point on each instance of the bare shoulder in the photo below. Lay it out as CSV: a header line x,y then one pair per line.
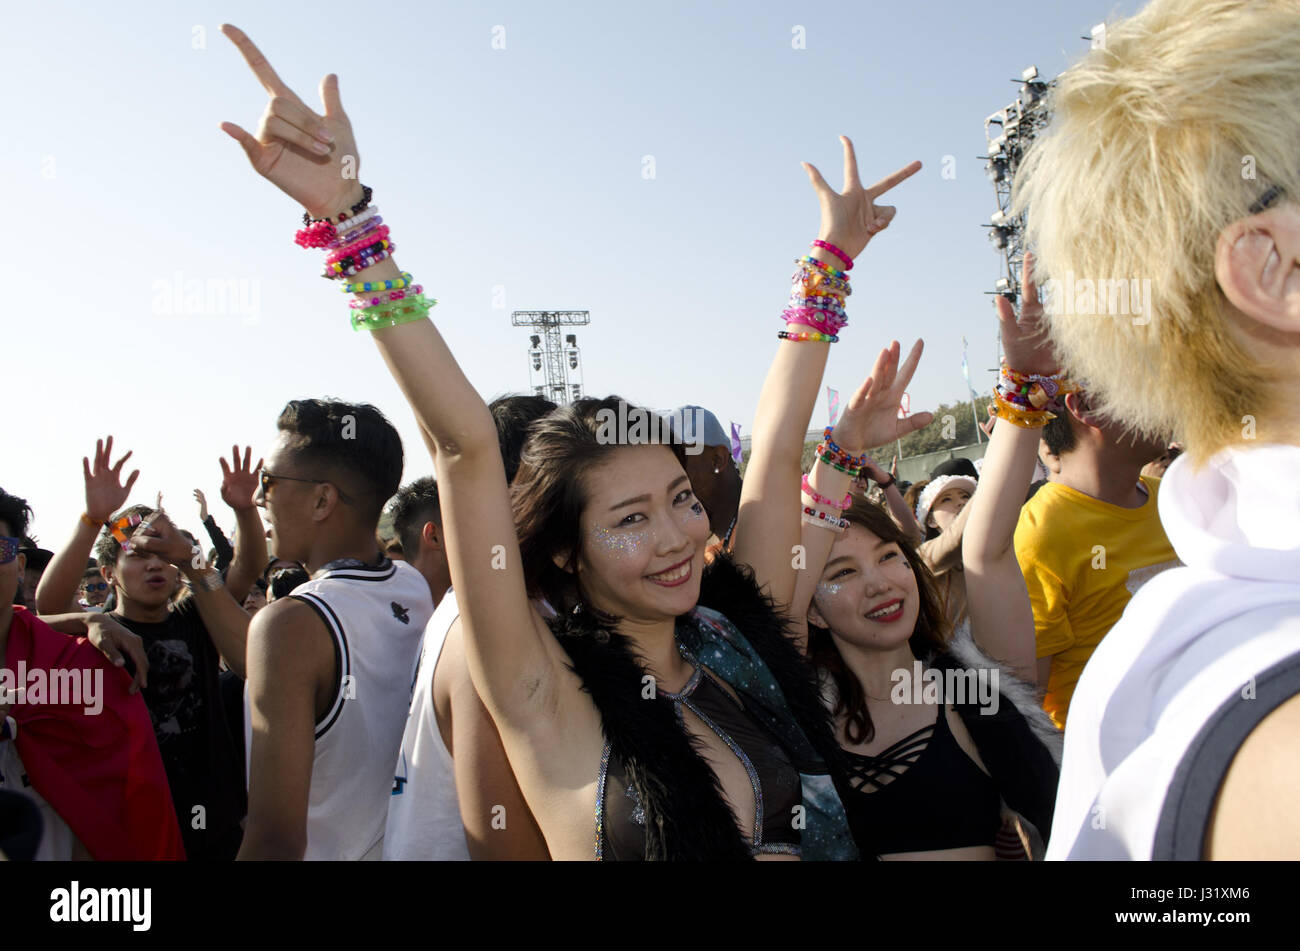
x,y
1254,816
286,633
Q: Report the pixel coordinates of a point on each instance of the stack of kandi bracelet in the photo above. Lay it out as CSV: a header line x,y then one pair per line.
x,y
1027,399
818,509
358,239
815,311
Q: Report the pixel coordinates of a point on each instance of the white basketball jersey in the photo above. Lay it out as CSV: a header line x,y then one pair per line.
x,y
376,617
424,812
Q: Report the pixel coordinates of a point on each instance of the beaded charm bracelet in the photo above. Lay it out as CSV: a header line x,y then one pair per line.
x,y
366,193
823,520
385,298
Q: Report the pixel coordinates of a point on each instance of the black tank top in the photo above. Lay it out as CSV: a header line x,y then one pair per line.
x,y
921,794
620,815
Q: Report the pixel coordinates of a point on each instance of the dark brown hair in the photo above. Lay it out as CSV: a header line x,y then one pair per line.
x,y
928,637
550,490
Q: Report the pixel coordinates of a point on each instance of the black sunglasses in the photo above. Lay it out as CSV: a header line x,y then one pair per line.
x,y
269,479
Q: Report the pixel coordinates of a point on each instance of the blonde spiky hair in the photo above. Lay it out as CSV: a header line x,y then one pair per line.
x,y
1186,115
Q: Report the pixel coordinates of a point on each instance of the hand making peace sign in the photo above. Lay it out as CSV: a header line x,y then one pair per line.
x,y
311,158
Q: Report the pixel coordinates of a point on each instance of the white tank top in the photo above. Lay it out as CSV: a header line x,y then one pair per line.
x,y
424,821
376,617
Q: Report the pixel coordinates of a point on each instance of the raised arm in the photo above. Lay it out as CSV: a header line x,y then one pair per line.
x,y
239,481
105,494
870,419
1002,621
768,526
514,660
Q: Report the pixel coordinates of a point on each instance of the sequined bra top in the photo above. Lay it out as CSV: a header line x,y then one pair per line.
x,y
777,789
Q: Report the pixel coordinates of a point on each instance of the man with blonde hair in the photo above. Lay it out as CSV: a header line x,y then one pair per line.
x,y
1171,169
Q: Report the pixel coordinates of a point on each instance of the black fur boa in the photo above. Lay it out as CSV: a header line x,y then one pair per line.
x,y
687,817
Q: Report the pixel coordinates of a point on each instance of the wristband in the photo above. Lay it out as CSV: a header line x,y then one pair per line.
x,y
821,499
827,246
85,518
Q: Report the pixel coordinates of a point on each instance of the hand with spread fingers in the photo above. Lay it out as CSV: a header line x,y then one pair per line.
x,y
851,218
311,157
239,480
1025,344
105,493
871,418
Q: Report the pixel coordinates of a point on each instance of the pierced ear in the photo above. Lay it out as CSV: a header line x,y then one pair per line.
x,y
1257,265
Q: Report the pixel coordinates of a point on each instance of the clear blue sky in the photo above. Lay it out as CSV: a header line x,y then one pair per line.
x,y
518,168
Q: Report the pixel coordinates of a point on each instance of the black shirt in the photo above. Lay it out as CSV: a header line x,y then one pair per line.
x,y
189,720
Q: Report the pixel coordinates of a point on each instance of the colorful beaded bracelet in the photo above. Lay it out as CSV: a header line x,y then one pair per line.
x,y
412,297
807,336
1025,419
366,193
368,228
822,266
333,272
356,221
834,463
387,297
319,234
812,494
367,240
367,286
858,460
339,261
827,246
808,278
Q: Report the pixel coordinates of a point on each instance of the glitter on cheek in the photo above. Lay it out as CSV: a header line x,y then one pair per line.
x,y
829,589
619,544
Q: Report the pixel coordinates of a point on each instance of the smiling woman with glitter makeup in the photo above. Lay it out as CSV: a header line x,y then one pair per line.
x,y
669,698
931,750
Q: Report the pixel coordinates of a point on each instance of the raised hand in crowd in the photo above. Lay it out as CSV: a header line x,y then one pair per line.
x,y
1002,621
106,494
869,419
203,502
239,483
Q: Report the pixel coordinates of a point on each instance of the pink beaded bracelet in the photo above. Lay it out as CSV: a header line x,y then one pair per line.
x,y
822,500
362,303
365,241
827,246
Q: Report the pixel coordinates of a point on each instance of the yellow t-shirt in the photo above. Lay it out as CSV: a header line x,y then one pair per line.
x,y
1083,560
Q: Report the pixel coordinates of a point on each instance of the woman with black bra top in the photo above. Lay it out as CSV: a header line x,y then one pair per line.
x,y
934,735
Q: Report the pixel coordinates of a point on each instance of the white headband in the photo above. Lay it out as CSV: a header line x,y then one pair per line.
x,y
933,490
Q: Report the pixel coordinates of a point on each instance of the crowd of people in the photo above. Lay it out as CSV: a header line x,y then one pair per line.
x,y
578,646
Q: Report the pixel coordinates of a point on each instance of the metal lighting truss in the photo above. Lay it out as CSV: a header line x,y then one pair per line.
x,y
555,365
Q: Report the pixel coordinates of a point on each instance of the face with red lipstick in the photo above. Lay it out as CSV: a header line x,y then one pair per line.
x,y
643,536
867,594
